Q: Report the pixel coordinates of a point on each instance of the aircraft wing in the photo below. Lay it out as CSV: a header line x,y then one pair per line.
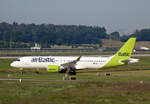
x,y
71,64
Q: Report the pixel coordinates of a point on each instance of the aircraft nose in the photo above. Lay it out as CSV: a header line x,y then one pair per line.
x,y
13,64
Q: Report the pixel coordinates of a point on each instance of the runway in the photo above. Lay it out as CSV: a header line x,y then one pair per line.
x,y
37,80
10,79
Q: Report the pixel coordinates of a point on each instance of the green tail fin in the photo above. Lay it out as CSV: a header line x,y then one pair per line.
x,y
124,53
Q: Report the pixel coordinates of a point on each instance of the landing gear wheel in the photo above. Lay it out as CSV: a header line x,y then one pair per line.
x,y
37,72
72,72
63,71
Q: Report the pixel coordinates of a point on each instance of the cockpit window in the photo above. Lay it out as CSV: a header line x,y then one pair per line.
x,y
18,60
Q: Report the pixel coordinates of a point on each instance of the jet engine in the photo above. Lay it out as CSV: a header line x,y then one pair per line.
x,y
56,68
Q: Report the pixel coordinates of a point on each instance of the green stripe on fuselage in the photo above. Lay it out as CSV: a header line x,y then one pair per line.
x,y
53,68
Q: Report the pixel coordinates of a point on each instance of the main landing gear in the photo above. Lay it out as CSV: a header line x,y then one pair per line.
x,y
72,71
70,75
69,71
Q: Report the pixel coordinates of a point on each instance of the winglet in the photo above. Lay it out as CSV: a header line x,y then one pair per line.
x,y
78,59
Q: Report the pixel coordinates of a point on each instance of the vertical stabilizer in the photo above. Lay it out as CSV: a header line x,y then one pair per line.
x,y
124,53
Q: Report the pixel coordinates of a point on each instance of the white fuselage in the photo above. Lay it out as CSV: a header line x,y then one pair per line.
x,y
122,57
44,61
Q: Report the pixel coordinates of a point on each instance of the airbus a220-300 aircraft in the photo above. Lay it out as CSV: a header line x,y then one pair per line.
x,y
72,63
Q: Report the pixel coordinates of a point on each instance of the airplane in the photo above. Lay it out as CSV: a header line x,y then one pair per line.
x,y
72,63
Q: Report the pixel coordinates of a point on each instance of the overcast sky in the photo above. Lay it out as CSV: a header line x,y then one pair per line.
x,y
115,15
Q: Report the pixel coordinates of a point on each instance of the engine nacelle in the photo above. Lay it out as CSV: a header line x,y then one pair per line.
x,y
56,68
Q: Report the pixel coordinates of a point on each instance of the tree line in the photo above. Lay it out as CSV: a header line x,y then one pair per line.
x,y
25,35
141,35
50,34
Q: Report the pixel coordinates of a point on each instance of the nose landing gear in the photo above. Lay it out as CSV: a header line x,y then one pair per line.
x,y
71,74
